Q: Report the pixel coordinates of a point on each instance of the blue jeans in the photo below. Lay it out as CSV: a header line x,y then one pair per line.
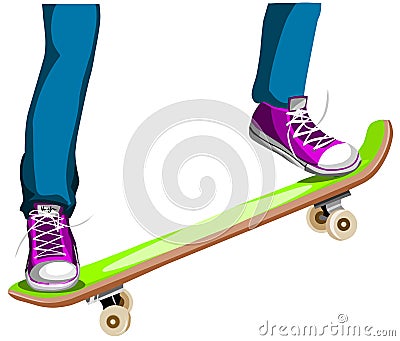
x,y
286,44
48,167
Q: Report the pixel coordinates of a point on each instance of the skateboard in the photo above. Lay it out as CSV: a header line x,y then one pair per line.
x,y
103,281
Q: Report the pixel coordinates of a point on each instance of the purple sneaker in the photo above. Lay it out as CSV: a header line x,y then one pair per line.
x,y
292,134
53,260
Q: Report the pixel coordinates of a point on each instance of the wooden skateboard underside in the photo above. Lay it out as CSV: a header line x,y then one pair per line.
x,y
114,271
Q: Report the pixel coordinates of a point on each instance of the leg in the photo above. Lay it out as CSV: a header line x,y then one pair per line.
x,y
281,121
48,171
286,43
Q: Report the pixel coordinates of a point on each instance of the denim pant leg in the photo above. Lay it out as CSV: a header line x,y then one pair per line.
x,y
48,167
286,44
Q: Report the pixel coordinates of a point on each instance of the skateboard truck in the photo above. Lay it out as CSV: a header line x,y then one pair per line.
x,y
330,216
107,298
332,204
117,303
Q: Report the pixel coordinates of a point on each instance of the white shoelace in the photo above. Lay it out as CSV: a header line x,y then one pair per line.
x,y
39,221
300,117
51,247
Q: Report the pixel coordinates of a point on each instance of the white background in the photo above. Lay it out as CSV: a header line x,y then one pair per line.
x,y
155,53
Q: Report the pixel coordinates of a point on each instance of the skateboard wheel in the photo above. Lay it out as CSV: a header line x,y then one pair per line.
x,y
126,300
341,224
316,219
115,320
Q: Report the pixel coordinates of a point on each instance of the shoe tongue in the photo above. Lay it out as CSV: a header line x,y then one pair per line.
x,y
48,208
299,102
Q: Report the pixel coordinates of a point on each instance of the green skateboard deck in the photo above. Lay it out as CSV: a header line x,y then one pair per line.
x,y
112,272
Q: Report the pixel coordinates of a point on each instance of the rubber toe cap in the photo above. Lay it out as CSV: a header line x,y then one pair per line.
x,y
339,157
